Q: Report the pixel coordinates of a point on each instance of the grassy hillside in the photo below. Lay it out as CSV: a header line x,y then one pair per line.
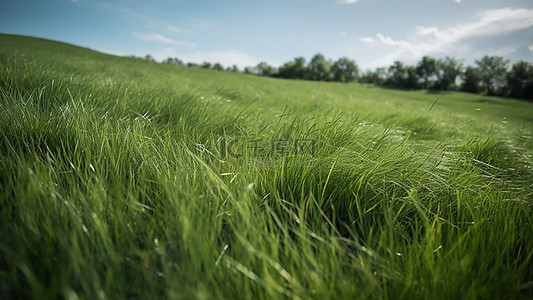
x,y
123,178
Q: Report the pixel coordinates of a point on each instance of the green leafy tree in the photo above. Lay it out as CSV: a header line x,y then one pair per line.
x,y
426,69
206,65
369,77
344,70
397,75
293,70
471,80
448,70
264,69
411,80
248,70
299,67
319,68
381,75
218,67
520,80
148,57
492,71
173,61
377,77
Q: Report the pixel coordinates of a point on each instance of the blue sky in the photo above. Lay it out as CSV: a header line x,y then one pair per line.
x,y
372,32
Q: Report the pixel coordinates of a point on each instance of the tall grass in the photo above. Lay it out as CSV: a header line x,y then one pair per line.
x,y
115,185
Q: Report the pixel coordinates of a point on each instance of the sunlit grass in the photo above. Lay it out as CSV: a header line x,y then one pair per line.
x,y
114,185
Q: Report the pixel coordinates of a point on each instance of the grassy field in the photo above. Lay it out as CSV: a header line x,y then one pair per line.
x,y
122,178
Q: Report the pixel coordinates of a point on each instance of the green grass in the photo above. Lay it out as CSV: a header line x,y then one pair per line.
x,y
114,185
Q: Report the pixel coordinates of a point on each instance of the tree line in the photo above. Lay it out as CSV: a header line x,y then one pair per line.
x,y
491,75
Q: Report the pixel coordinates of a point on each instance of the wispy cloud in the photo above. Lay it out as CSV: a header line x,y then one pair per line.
x,y
152,20
346,1
455,39
368,40
530,48
503,51
458,1
139,15
75,1
390,42
159,38
490,23
153,37
176,30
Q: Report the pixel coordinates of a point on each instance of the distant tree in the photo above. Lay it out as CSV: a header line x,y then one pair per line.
x,y
471,80
148,57
218,67
173,61
426,69
300,69
248,70
411,80
369,77
382,75
206,65
264,69
397,75
492,71
344,70
234,69
448,70
293,70
319,68
520,80
286,70
192,65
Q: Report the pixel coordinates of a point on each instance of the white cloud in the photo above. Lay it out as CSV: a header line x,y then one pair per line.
x,y
530,48
176,30
152,37
491,23
368,40
159,38
455,40
427,31
139,15
458,1
503,51
390,42
347,1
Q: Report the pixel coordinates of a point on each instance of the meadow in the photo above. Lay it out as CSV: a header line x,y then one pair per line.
x,y
122,178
